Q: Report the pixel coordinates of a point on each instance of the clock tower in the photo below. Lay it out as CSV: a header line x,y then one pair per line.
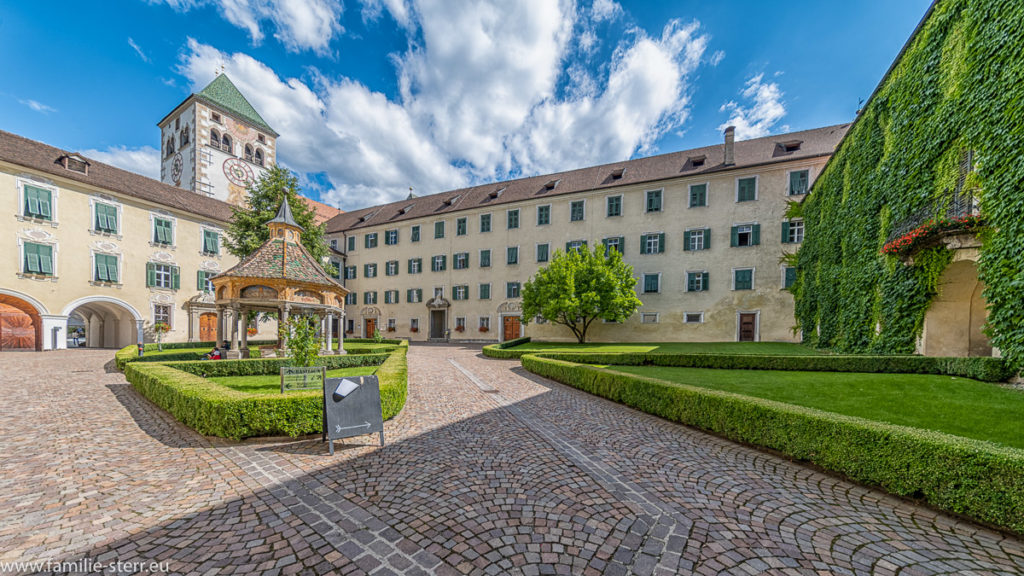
x,y
215,143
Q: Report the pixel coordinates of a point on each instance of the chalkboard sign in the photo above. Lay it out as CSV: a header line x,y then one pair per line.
x,y
352,408
300,378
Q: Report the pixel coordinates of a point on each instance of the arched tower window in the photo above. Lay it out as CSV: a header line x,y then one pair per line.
x,y
170,146
214,138
226,144
248,152
183,139
259,157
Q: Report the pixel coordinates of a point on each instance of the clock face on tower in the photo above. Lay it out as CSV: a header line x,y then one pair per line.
x,y
176,168
238,172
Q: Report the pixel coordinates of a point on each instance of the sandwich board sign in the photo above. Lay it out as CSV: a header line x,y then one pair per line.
x,y
300,378
352,408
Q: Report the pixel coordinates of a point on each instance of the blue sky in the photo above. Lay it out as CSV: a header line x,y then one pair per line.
x,y
374,96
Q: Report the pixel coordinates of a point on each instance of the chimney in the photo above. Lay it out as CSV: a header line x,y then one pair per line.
x,y
730,137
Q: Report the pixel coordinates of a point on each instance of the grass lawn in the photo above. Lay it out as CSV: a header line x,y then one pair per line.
x,y
774,348
271,383
957,406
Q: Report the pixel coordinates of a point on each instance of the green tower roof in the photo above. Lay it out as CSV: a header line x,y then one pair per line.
x,y
223,94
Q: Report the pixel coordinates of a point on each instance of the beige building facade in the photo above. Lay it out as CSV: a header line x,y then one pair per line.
x,y
705,231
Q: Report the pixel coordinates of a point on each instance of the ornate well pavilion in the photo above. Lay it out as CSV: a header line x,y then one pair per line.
x,y
282,277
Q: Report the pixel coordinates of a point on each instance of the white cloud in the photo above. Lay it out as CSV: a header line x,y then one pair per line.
x,y
144,160
605,10
298,24
475,106
38,106
717,58
764,110
138,50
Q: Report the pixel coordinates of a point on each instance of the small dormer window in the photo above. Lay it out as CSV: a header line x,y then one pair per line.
x,y
406,209
451,200
791,145
697,161
215,117
496,193
617,173
75,163
550,185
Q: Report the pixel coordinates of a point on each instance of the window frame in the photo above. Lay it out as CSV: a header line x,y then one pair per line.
x,y
170,313
547,252
484,262
94,272
686,317
202,240
508,219
462,226
439,226
643,281
582,203
757,188
94,204
509,251
688,237
455,261
752,278
607,205
480,291
54,194
490,222
153,217
645,315
163,273
548,221
23,259
689,194
389,235
518,289
414,233
647,200
700,275
789,182
370,240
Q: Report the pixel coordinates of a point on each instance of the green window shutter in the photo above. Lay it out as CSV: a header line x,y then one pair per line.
x,y
686,240
410,265
150,274
175,277
444,261
790,277
408,295
419,294
707,238
622,244
643,244
112,268
568,247
101,268
704,281
366,270
31,201
785,232
485,258
32,258
46,259
691,284
661,243
734,239
200,280
755,235
366,240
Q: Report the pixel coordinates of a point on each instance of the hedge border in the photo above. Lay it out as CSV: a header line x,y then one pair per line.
x,y
986,369
181,389
979,480
131,353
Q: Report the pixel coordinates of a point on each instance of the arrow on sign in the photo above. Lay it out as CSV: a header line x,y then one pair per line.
x,y
339,428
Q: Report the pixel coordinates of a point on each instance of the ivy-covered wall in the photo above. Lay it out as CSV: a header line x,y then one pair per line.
x,y
958,86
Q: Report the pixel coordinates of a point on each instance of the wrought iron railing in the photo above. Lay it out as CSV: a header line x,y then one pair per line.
x,y
955,204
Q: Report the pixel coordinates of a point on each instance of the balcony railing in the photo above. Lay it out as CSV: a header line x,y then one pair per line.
x,y
956,205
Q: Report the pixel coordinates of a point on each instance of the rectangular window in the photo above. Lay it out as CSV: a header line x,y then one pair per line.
x,y
613,205
460,260
654,200
485,291
351,299
512,255
438,263
513,219
793,232
617,243
693,318
162,232
512,289
439,229
649,318
698,195
543,215
38,259
699,239
333,269
334,243
211,242
745,235
106,218
696,281
652,243
788,276
485,223
414,235
161,275
414,325
746,189
350,272
461,227
391,268
415,265
485,323
390,237
203,282
106,268
799,181
161,314
414,295
392,324
577,210
574,245
370,240
460,323
460,292
370,297
485,258
38,203
351,243
439,292
652,283
743,279
542,252
390,296
369,270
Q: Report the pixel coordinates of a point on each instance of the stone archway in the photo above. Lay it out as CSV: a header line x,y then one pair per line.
x,y
21,327
954,321
107,322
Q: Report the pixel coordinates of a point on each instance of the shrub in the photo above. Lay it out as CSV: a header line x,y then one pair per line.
x,y
499,350
300,332
394,381
976,479
263,366
131,353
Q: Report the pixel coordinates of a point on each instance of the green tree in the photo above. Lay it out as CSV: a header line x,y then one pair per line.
x,y
579,287
300,335
248,229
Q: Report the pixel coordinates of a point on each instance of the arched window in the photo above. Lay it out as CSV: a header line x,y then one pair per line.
x,y
226,144
214,138
170,146
259,157
248,152
183,139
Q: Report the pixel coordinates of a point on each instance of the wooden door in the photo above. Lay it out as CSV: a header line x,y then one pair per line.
x,y
371,327
748,327
207,327
17,329
509,328
437,321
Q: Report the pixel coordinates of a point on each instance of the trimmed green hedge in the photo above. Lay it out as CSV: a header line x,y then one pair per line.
x,y
212,409
500,350
984,369
394,341
976,479
130,353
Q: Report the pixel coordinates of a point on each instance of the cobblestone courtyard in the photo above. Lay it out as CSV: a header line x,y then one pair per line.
x,y
488,470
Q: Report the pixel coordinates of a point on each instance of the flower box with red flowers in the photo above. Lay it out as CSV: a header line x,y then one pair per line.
x,y
930,231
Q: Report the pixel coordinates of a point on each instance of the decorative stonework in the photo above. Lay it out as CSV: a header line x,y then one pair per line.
x,y
161,298
109,247
37,234
438,303
371,312
510,306
210,265
163,257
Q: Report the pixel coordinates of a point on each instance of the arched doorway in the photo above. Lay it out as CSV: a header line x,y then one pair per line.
x,y
954,321
21,328
105,322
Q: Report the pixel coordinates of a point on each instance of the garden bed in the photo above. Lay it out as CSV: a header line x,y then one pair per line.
x,y
516,349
